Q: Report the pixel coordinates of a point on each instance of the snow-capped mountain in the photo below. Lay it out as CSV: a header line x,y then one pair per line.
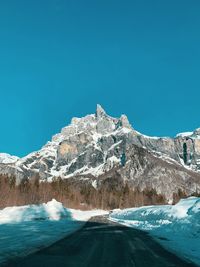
x,y
99,148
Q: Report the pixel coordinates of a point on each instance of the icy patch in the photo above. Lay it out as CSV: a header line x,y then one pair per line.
x,y
176,227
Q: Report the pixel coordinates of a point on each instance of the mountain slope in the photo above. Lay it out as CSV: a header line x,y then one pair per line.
x,y
108,155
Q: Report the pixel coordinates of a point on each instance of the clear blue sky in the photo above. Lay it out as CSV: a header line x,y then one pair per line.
x,y
58,58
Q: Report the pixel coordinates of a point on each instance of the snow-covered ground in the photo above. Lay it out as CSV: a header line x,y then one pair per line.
x,y
26,229
175,227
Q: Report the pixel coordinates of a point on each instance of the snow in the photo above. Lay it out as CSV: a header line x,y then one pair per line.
x,y
80,215
113,159
52,210
125,130
175,227
166,158
185,134
7,158
188,167
100,169
151,137
96,136
96,171
94,184
115,145
26,229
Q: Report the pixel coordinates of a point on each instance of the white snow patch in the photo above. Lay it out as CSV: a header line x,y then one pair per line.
x,y
101,169
125,130
184,165
115,145
113,159
7,158
151,137
94,184
52,210
185,134
80,215
96,136
96,171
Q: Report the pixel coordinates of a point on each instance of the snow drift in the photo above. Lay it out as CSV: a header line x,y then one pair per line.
x,y
26,229
51,210
176,227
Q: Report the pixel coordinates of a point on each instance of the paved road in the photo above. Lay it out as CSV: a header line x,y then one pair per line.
x,y
101,243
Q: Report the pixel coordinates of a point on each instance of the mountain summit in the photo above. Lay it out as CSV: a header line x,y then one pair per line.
x,y
100,112
106,153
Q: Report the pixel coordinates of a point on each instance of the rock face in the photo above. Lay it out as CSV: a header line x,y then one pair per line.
x,y
93,147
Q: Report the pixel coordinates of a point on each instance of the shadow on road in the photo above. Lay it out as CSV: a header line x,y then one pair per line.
x,y
101,243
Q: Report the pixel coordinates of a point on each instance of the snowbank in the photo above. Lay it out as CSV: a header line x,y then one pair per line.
x,y
80,215
52,210
26,229
176,227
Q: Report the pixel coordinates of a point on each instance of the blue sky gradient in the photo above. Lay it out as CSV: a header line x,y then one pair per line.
x,y
59,58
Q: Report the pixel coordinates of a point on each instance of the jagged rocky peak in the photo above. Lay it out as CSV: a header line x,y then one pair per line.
x,y
197,132
97,124
98,147
105,124
125,122
100,122
100,112
186,135
108,124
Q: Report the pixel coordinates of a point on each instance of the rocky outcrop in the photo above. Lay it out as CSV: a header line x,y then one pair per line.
x,y
97,146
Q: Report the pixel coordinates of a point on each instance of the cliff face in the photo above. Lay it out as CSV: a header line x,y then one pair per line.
x,y
102,151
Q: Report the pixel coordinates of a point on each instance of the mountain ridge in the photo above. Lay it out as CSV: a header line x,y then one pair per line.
x,y
91,148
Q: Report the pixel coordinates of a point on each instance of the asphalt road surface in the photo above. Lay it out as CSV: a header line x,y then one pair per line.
x,y
106,244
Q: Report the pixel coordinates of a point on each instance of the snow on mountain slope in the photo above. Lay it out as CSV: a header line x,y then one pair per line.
x,y
26,229
184,134
6,158
80,139
192,135
92,146
62,155
176,227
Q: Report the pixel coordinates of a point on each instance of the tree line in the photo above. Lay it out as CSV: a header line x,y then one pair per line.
x,y
75,193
